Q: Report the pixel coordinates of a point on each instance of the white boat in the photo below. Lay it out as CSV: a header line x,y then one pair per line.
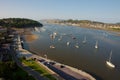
x,y
96,45
60,38
36,29
77,45
68,43
84,41
109,61
55,33
52,36
52,46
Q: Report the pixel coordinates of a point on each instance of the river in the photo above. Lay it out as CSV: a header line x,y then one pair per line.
x,y
85,56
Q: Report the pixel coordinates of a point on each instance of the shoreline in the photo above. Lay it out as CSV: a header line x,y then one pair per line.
x,y
105,29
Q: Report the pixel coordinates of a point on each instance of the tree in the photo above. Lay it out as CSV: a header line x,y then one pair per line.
x,y
19,22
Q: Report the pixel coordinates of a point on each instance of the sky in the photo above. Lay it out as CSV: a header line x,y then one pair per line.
x,y
96,10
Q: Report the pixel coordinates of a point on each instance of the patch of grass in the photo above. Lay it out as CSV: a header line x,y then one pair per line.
x,y
50,77
34,65
115,29
21,75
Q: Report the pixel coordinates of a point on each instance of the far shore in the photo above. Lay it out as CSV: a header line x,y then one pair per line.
x,y
105,29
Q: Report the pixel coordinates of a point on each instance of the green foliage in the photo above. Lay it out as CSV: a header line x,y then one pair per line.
x,y
10,71
19,23
34,65
6,68
117,29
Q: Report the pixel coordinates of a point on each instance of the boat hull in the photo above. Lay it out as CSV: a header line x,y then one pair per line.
x,y
96,47
110,64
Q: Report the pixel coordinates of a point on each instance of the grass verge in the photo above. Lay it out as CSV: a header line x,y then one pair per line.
x,y
34,65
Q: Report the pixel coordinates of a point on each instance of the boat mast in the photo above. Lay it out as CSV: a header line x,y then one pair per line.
x,y
84,41
85,38
96,44
110,56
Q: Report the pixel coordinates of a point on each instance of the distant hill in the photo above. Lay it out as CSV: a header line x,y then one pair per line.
x,y
19,23
88,24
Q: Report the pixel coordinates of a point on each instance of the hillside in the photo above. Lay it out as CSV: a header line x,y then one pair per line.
x,y
88,24
19,23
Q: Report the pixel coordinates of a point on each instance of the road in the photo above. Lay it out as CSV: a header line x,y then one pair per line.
x,y
63,71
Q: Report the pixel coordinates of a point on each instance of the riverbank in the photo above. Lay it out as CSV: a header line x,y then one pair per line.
x,y
92,27
88,24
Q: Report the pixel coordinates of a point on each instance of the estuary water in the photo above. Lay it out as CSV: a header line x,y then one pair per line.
x,y
80,54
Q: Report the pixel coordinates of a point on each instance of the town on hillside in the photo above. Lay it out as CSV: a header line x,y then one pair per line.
x,y
87,23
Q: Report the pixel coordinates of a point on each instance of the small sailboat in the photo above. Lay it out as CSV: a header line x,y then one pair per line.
x,y
55,33
52,46
52,36
60,38
77,45
84,41
68,43
96,45
36,29
109,61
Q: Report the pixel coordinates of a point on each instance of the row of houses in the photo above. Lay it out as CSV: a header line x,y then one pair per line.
x,y
6,39
90,24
